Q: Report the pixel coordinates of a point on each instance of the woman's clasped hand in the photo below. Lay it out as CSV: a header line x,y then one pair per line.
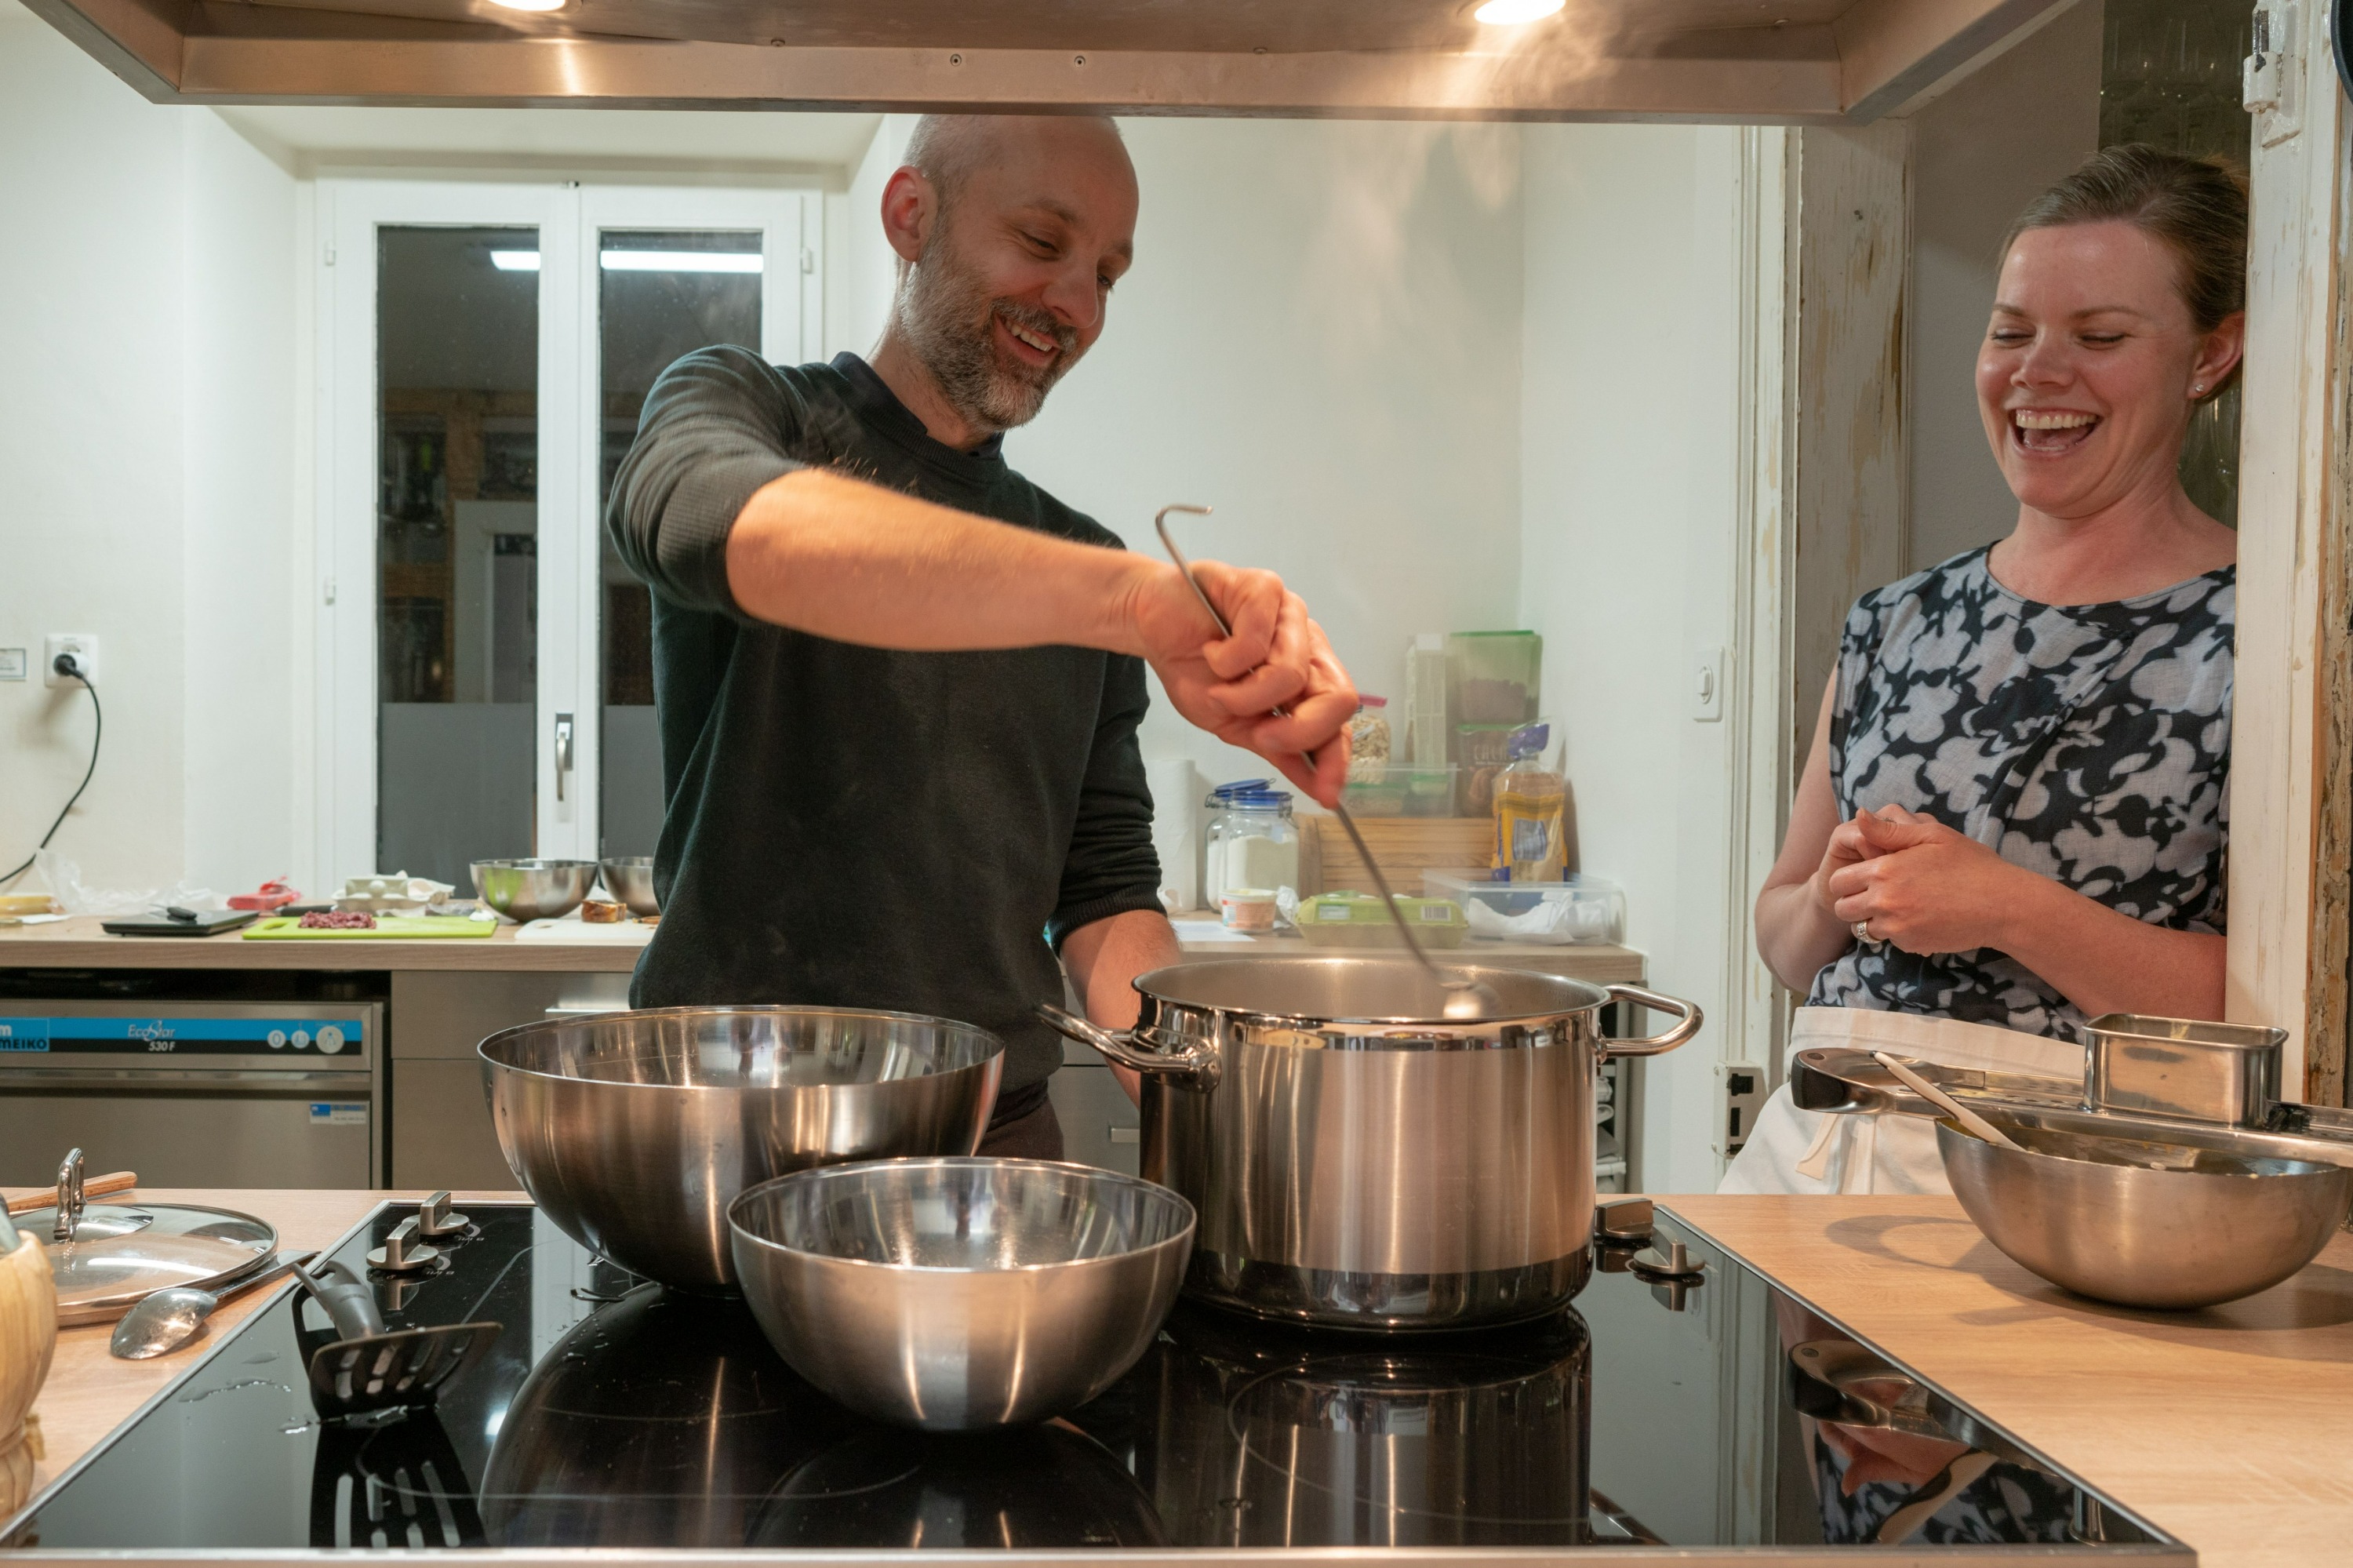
x,y
1914,882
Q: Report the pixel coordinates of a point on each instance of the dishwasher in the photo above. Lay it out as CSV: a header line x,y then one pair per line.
x,y
194,1093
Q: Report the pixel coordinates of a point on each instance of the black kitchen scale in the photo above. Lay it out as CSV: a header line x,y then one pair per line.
x,y
1724,1418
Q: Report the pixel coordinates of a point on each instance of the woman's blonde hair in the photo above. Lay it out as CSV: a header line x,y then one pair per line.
x,y
2197,207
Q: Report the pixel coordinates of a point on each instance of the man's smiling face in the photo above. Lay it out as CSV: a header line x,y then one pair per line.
x,y
1030,227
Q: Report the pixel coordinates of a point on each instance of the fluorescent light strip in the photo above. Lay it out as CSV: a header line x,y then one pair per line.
x,y
643,261
679,260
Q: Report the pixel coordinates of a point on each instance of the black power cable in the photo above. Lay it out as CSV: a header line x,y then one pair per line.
x,y
69,666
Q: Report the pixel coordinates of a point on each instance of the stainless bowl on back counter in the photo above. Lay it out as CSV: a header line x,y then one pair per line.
x,y
633,1131
533,889
629,878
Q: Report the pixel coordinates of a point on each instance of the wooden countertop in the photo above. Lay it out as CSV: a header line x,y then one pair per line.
x,y
2230,1428
79,944
1597,963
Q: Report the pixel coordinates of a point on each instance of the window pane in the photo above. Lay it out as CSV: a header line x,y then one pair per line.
x,y
457,541
661,294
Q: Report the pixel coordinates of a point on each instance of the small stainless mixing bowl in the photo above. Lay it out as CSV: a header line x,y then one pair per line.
x,y
633,1131
630,880
959,1293
533,889
2172,1225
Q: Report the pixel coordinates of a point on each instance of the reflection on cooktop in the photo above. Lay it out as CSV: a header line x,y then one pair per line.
x,y
613,1414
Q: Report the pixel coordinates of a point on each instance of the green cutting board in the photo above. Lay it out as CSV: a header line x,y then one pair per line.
x,y
389,929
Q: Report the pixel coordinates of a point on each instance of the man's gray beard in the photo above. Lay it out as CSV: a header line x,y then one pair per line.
x,y
948,321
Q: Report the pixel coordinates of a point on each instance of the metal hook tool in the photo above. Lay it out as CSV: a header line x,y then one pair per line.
x,y
1465,998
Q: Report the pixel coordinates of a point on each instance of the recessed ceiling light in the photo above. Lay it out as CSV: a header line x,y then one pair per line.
x,y
1512,13
530,4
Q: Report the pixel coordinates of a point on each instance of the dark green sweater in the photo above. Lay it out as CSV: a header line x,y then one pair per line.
x,y
854,826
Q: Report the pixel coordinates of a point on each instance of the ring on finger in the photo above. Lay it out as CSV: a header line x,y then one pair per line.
x,y
1863,934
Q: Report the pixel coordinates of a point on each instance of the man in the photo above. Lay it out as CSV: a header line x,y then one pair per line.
x,y
898,684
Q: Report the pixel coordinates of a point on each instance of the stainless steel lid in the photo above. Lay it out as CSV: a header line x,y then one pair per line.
x,y
101,1276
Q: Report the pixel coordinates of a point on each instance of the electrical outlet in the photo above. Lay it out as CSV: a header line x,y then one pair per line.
x,y
80,644
1740,1096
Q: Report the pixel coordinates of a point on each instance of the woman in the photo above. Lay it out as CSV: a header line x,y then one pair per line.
x,y
2014,813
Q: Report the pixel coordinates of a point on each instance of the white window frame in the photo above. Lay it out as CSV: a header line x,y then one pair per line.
x,y
569,216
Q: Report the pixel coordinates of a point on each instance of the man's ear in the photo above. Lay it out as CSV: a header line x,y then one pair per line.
x,y
910,207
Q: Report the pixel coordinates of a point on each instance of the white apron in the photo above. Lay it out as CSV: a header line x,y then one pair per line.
x,y
1794,1151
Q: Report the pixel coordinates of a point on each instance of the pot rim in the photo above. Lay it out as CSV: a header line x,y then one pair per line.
x,y
1183,1236
1593,999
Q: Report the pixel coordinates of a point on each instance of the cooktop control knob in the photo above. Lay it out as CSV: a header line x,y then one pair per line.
x,y
435,1219
402,1252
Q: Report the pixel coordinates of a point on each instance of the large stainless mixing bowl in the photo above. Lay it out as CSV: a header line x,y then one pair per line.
x,y
633,1131
533,889
629,878
2172,1225
959,1293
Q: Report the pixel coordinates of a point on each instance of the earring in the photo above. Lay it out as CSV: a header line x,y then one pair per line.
x,y
2197,386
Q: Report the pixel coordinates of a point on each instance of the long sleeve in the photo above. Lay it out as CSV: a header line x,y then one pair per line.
x,y
1111,867
717,426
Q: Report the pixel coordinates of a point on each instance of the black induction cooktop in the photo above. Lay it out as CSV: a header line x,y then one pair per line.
x,y
1723,1415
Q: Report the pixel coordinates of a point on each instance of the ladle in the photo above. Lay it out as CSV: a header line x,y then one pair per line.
x,y
1971,1123
1465,998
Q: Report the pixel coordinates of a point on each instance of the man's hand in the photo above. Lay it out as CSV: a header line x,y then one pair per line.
x,y
1928,889
1276,658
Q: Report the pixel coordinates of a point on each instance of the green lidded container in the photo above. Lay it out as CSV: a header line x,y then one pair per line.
x,y
1357,920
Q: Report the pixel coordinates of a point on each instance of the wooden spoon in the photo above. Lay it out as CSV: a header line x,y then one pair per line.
x,y
1971,1123
113,1184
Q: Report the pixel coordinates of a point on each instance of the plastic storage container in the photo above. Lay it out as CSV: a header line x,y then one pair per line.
x,y
1575,910
1253,840
1357,920
1492,677
1369,746
1407,789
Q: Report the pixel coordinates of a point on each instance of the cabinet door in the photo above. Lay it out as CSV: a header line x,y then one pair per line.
x,y
441,1131
1098,1121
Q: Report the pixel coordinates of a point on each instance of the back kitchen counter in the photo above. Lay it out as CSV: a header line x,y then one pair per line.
x,y
418,1118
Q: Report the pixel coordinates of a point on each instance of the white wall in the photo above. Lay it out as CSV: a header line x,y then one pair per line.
x,y
1979,154
1628,423
145,263
1320,338
244,601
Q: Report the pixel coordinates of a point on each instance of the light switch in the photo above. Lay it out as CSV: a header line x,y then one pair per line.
x,y
1707,685
12,663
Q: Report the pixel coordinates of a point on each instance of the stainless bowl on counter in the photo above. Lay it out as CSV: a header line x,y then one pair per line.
x,y
533,889
629,878
2194,1220
959,1293
633,1131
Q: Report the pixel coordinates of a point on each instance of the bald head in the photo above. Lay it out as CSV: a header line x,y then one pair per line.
x,y
1010,231
946,148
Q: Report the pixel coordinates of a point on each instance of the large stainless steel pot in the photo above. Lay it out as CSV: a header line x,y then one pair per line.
x,y
1356,1165
633,1131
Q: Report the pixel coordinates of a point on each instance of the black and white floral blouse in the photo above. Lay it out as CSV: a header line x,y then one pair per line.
x,y
2090,744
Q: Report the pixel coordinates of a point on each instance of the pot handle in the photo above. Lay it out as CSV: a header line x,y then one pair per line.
x,y
1191,1066
1687,1021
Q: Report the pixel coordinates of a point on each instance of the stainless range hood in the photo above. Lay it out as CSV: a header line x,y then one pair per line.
x,y
1762,61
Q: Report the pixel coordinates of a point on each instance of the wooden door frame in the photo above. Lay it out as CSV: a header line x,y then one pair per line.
x,y
2290,831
